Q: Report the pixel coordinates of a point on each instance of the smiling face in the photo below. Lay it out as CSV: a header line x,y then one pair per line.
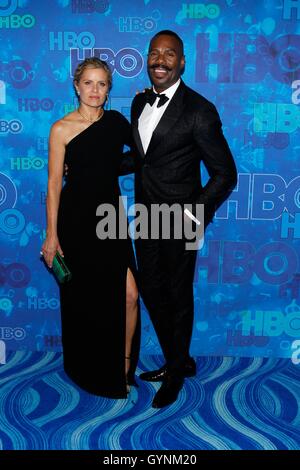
x,y
165,61
93,87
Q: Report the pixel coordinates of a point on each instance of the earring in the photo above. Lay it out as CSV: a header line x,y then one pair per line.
x,y
78,92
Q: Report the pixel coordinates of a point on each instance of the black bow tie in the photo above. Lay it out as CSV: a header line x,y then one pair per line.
x,y
151,97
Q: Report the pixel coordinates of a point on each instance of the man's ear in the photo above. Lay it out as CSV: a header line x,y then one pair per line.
x,y
182,62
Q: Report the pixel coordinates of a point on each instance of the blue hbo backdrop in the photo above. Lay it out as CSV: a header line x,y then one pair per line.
x,y
243,56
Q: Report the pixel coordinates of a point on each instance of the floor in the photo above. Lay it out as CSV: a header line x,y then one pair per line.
x,y
233,403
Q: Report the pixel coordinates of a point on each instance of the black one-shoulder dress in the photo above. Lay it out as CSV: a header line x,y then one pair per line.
x,y
93,303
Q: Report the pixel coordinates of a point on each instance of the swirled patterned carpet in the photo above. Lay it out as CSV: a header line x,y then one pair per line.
x,y
234,403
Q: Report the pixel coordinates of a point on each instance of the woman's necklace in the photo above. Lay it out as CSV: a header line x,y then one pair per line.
x,y
91,120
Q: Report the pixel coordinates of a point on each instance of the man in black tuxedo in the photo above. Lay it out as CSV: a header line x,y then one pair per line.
x,y
173,131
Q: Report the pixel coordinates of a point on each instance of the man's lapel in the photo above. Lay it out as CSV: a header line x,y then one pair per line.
x,y
168,120
136,112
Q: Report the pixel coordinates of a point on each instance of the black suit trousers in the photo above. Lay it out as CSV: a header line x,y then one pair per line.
x,y
166,273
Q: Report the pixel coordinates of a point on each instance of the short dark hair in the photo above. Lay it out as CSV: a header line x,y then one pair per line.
x,y
168,32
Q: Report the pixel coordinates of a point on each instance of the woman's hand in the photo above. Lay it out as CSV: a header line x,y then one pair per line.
x,y
143,91
50,247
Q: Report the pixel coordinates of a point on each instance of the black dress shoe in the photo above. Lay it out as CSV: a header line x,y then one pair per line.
x,y
159,374
154,375
168,391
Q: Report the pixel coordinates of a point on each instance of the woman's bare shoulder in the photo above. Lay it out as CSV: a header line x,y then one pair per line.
x,y
63,127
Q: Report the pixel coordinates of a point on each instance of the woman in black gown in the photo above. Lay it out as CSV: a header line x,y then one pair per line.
x,y
99,306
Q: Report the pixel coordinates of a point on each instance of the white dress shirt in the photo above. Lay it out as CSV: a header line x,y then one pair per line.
x,y
151,116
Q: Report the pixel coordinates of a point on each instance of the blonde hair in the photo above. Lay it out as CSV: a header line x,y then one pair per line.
x,y
92,63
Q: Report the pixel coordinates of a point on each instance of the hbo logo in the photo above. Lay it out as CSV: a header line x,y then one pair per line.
x,y
34,104
17,21
64,40
89,6
127,62
136,25
236,338
24,163
15,275
17,72
7,333
200,10
40,303
14,126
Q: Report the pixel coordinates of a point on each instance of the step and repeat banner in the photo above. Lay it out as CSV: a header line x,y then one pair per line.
x,y
243,56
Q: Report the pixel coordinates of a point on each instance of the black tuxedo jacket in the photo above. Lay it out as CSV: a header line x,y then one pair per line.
x,y
189,131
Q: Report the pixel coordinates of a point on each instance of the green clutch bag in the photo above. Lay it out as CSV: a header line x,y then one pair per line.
x,y
60,269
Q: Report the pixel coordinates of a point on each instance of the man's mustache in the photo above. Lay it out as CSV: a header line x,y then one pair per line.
x,y
159,66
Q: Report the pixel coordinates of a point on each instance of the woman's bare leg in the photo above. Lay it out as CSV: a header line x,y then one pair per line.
x,y
131,315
